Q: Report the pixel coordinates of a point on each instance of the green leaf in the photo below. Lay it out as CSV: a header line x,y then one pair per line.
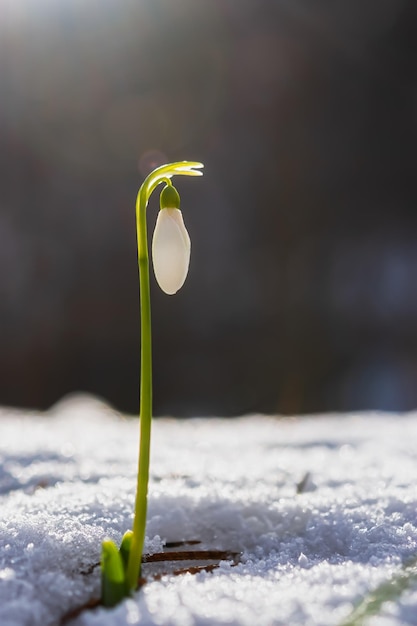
x,y
113,582
125,548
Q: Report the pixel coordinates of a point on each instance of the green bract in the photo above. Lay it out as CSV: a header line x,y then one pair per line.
x,y
169,198
121,568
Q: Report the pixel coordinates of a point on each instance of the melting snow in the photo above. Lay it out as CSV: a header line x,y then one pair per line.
x,y
67,480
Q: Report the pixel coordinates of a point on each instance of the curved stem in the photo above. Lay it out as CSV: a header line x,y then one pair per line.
x,y
161,174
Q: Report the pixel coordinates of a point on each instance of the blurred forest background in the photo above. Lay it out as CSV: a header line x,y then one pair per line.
x,y
302,291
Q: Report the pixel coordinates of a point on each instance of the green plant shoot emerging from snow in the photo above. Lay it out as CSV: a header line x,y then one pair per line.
x,y
171,247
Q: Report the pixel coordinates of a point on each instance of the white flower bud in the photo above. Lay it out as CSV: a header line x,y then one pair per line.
x,y
171,247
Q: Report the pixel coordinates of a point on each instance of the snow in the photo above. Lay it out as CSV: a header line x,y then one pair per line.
x,y
67,480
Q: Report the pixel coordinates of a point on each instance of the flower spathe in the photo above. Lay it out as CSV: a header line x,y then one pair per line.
x,y
171,248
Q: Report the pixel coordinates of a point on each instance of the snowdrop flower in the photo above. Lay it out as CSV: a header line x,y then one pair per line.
x,y
121,567
171,245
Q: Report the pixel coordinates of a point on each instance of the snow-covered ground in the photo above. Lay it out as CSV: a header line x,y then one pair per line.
x,y
67,480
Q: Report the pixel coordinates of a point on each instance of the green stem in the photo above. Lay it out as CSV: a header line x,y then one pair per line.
x,y
161,174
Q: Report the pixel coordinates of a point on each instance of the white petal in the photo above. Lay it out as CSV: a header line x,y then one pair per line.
x,y
171,247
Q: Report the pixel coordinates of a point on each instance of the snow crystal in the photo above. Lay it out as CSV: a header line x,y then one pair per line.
x,y
320,509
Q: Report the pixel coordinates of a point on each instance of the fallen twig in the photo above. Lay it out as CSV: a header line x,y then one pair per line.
x,y
165,557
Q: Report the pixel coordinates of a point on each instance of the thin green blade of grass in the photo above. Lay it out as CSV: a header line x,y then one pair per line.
x,y
389,590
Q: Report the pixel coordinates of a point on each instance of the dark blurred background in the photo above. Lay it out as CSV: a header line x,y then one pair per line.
x,y
302,291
